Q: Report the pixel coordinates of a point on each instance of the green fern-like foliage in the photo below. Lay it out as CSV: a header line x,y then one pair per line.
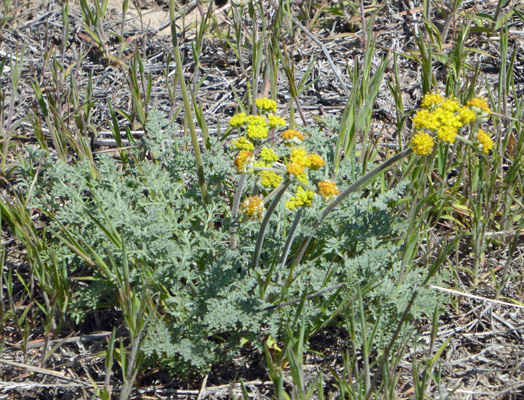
x,y
208,298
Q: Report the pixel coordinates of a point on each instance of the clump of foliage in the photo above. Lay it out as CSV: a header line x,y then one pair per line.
x,y
144,220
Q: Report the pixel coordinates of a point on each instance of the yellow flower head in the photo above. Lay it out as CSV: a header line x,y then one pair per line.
x,y
327,189
447,133
447,117
275,122
422,143
243,161
316,161
260,164
442,113
268,155
253,207
256,120
256,132
270,179
304,198
242,144
256,127
450,105
237,120
292,136
425,119
467,115
431,100
299,156
266,105
303,178
295,169
480,103
480,107
485,141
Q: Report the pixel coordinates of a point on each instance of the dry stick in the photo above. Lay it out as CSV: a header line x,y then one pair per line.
x,y
202,392
4,386
363,23
326,53
38,370
472,296
76,339
447,25
355,185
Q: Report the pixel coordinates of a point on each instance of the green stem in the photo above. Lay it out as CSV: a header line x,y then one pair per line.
x,y
234,210
275,170
278,193
187,106
291,236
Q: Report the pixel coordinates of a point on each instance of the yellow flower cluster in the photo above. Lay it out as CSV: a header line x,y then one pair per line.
x,y
431,100
295,169
253,207
316,161
266,105
260,164
292,137
450,105
270,179
486,143
299,156
256,127
481,108
422,143
480,103
327,189
237,120
447,133
242,144
274,121
442,119
268,155
300,161
304,198
303,178
255,158
243,160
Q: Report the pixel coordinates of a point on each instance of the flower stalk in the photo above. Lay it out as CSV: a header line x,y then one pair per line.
x,y
265,222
